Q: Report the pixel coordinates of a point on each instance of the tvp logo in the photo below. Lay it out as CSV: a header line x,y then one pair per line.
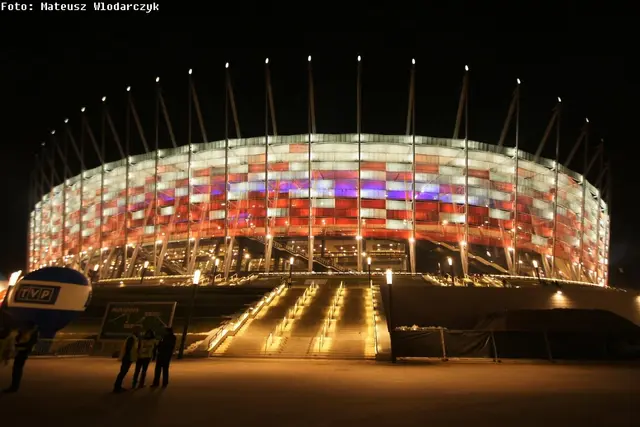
x,y
37,294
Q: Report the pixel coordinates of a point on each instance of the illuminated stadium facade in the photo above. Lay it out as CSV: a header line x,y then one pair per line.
x,y
184,202
332,201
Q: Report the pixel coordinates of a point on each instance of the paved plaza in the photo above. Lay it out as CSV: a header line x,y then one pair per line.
x,y
251,392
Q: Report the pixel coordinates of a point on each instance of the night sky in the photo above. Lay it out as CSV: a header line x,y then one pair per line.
x,y
53,64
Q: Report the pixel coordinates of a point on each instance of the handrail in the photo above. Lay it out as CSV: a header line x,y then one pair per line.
x,y
324,331
320,260
216,339
291,313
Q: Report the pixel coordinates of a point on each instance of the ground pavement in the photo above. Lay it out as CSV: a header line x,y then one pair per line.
x,y
246,393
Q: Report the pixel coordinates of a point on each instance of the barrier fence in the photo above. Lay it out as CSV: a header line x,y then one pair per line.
x,y
495,345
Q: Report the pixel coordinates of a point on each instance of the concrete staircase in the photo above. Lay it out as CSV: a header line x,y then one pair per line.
x,y
351,336
298,341
249,341
331,323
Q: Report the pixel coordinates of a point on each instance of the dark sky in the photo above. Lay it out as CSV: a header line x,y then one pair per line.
x,y
53,64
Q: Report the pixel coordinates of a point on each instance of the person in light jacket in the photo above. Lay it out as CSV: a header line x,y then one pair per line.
x,y
146,349
7,344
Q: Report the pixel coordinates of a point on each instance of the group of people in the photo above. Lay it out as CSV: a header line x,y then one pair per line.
x,y
139,351
17,343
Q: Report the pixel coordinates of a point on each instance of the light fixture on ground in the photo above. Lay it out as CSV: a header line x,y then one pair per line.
x,y
185,330
369,264
450,262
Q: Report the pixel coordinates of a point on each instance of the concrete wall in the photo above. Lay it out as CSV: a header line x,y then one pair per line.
x,y
462,308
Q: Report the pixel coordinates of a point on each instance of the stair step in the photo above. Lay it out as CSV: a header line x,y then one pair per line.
x,y
349,337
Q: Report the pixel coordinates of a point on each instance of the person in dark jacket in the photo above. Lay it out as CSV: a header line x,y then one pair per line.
x,y
163,353
26,340
128,356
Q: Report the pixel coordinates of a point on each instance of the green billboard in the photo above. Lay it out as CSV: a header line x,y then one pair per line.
x,y
121,318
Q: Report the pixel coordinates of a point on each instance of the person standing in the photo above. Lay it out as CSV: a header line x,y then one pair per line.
x,y
145,353
26,340
163,353
128,355
7,344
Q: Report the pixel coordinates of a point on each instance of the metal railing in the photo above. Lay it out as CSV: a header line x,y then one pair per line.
x,y
64,347
374,308
288,318
230,327
320,260
331,316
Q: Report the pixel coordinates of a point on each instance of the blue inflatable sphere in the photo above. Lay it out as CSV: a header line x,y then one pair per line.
x,y
51,297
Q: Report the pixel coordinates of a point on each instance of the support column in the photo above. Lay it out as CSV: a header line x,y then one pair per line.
x,y
80,219
516,172
598,218
228,240
310,240
155,180
101,228
125,245
268,242
464,247
605,254
359,117
155,212
228,257
267,225
102,174
63,238
412,255
191,249
554,271
412,112
582,214
239,256
311,130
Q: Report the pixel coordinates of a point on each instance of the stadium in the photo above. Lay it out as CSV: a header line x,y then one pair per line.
x,y
401,245
332,201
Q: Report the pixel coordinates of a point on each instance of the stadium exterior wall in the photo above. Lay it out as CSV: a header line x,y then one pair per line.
x,y
219,189
462,308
